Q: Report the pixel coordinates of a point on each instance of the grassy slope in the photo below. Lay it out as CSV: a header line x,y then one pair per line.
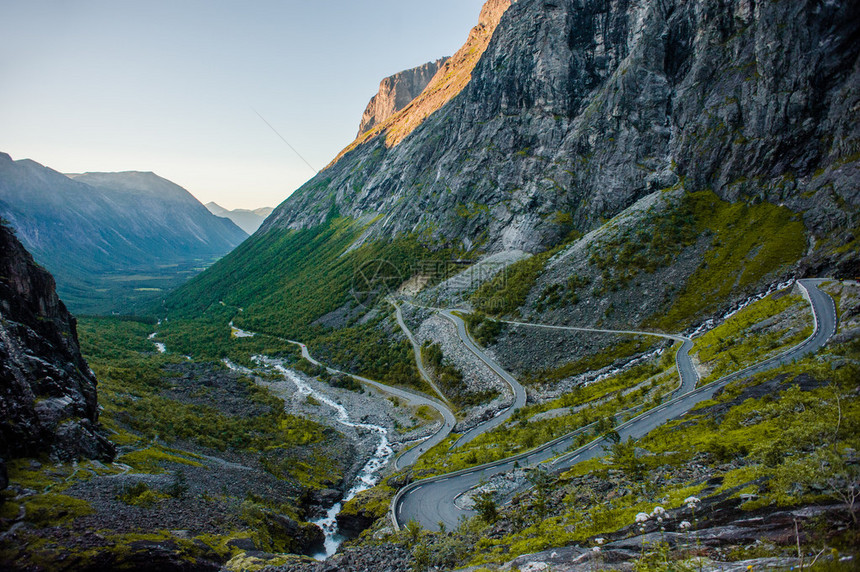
x,y
749,244
284,281
753,334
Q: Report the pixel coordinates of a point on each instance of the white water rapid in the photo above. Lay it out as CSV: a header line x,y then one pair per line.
x,y
369,475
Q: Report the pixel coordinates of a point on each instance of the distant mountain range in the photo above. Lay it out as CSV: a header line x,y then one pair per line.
x,y
112,240
247,220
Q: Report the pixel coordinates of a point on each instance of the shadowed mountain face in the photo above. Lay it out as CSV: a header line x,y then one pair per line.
x,y
110,238
557,116
247,220
574,110
47,392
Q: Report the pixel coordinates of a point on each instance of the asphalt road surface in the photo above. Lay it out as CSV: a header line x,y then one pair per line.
x,y
432,501
416,349
517,389
686,370
410,456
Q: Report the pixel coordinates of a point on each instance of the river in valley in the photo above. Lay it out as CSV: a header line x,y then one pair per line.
x,y
367,477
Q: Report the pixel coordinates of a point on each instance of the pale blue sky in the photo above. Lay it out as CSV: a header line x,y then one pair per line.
x,y
171,86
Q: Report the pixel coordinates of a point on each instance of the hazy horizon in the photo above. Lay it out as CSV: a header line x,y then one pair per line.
x,y
175,88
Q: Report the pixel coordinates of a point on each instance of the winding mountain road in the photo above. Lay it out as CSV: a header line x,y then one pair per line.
x,y
432,501
408,457
416,349
517,389
686,370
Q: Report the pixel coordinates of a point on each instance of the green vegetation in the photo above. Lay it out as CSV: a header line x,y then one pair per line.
x,y
371,504
753,334
748,243
149,399
484,330
597,404
271,531
508,290
139,494
791,440
450,379
471,210
620,351
117,551
51,509
284,281
790,435
132,391
103,291
653,373
786,438
442,551
152,459
365,350
556,295
655,242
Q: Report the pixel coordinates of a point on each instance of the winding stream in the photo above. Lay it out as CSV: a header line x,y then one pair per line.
x,y
162,349
369,475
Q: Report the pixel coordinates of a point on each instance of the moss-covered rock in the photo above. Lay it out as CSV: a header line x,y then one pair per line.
x,y
277,533
365,509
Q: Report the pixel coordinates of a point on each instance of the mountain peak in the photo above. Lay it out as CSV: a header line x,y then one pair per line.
x,y
216,209
451,78
396,92
85,228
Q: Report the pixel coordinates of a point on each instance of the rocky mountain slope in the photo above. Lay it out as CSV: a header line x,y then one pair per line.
x,y
449,81
247,220
555,117
577,109
396,92
103,234
48,402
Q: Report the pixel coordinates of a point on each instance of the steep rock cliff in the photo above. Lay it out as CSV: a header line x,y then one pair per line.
x,y
448,82
577,108
396,92
48,401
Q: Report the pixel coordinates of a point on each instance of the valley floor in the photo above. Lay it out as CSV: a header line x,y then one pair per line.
x,y
225,465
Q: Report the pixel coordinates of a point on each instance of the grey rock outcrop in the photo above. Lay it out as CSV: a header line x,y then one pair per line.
x,y
396,92
48,401
582,107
